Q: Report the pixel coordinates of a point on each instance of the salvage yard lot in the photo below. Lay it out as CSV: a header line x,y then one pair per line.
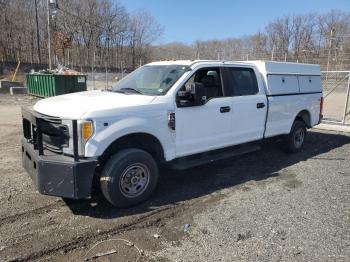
x,y
263,206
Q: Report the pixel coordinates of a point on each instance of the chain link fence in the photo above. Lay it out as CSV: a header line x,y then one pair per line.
x,y
336,88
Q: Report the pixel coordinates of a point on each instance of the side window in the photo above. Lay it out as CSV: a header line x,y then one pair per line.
x,y
242,81
211,80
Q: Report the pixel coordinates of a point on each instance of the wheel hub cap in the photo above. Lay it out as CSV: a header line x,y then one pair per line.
x,y
134,180
299,138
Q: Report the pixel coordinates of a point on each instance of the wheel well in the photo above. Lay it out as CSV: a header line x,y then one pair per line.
x,y
305,117
144,141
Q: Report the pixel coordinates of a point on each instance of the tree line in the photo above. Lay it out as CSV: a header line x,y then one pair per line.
x,y
310,38
83,33
102,33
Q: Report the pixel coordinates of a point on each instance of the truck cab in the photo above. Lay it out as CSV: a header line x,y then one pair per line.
x,y
179,113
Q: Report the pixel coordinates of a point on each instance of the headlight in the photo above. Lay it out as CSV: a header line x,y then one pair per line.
x,y
85,132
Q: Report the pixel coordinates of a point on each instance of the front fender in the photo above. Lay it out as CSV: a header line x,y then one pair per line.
x,y
156,126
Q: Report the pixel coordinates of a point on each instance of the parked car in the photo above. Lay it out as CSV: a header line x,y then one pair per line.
x,y
179,113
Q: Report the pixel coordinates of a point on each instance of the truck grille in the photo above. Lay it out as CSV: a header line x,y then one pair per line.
x,y
54,134
51,119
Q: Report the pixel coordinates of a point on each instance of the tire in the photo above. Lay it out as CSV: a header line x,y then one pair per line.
x,y
129,177
294,141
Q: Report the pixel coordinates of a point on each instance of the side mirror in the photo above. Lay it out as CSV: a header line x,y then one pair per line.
x,y
184,98
193,97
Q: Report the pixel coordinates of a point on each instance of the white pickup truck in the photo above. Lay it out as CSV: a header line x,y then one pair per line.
x,y
180,113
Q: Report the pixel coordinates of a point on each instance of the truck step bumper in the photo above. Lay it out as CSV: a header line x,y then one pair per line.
x,y
58,175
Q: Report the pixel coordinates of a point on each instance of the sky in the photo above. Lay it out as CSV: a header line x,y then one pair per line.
x,y
189,20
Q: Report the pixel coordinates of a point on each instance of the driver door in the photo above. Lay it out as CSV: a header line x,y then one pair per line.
x,y
205,127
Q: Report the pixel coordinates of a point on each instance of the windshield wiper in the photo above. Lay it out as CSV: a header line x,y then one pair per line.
x,y
130,89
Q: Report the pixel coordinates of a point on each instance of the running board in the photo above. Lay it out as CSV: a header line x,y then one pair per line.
x,y
209,157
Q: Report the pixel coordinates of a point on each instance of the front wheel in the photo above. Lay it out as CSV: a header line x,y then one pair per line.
x,y
129,177
294,141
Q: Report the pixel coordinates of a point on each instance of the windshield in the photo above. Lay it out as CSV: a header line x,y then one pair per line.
x,y
151,79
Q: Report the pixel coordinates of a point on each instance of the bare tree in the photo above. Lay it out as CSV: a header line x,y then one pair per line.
x,y
144,30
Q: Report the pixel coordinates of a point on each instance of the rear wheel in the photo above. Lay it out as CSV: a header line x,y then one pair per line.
x,y
129,177
294,141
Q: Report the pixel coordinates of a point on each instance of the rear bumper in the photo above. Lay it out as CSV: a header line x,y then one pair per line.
x,y
58,175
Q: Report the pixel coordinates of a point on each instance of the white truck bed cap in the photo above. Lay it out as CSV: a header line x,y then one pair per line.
x,y
283,78
286,68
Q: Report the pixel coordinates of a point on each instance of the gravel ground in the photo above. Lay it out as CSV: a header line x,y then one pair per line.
x,y
266,206
304,214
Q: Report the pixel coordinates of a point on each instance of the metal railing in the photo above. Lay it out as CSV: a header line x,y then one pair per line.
x,y
336,91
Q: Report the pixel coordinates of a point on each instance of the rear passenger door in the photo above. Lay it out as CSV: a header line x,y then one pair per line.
x,y
248,103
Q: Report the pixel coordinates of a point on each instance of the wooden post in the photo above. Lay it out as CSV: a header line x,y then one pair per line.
x,y
15,73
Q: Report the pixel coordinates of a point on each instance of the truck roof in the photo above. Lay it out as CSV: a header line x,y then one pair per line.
x,y
265,67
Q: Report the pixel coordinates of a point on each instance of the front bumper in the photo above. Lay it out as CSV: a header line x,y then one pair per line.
x,y
58,175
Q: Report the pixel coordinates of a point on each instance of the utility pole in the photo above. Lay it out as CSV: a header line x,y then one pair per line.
x,y
106,61
330,47
37,30
51,5
106,83
49,34
93,70
121,66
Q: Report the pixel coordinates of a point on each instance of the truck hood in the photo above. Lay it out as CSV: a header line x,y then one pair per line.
x,y
74,106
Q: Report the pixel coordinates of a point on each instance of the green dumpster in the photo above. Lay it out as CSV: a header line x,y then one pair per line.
x,y
45,85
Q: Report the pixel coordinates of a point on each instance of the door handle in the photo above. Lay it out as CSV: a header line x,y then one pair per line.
x,y
225,109
260,105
